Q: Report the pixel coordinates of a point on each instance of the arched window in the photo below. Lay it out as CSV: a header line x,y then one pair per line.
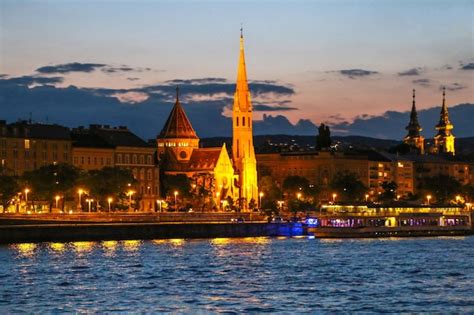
x,y
243,121
237,121
249,122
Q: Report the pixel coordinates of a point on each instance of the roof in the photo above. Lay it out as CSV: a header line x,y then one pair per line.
x,y
105,137
202,159
24,129
178,125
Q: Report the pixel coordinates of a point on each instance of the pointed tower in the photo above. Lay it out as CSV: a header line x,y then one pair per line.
x,y
178,135
444,139
243,152
414,138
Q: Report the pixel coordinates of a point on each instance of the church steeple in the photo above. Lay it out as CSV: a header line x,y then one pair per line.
x,y
444,139
414,138
243,152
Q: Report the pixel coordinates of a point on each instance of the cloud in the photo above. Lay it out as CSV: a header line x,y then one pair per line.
x,y
123,68
70,67
357,73
453,87
467,66
29,80
131,97
410,72
422,82
391,124
269,108
196,81
133,79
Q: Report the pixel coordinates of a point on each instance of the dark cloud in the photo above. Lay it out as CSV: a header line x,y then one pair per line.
x,y
410,72
357,73
29,80
467,66
196,81
453,87
70,67
422,82
269,108
143,109
133,79
391,124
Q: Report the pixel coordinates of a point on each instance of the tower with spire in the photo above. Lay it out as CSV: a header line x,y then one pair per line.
x,y
243,152
444,139
414,138
177,135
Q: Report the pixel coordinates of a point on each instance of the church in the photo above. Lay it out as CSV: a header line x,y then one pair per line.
x,y
213,169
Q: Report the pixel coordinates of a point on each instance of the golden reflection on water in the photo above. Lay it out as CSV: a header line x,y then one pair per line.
x,y
83,247
177,241
25,249
131,245
109,247
57,247
159,242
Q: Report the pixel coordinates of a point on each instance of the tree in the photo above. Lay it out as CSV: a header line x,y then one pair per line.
x,y
442,187
110,182
292,185
389,190
50,180
8,189
348,186
271,192
179,183
323,139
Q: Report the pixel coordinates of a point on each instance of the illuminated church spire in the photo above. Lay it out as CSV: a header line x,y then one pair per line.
x,y
414,138
243,152
444,139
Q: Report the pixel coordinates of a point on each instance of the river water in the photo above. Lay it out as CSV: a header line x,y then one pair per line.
x,y
240,275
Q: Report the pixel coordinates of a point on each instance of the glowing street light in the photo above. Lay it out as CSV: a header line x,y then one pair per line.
x,y
260,195
130,193
176,200
89,201
428,198
366,197
26,194
298,195
159,203
109,200
57,201
80,192
334,197
280,204
398,197
458,198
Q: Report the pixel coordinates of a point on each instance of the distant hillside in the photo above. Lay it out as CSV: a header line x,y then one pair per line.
x,y
295,142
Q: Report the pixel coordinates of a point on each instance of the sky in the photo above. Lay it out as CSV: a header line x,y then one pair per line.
x,y
316,61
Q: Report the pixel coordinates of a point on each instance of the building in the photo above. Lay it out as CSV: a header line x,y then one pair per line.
x,y
209,169
102,146
26,146
319,167
444,139
414,138
243,152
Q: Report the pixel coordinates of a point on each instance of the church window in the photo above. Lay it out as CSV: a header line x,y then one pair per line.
x,y
248,121
243,121
237,121
183,154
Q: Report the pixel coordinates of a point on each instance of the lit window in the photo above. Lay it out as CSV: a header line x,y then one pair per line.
x,y
27,144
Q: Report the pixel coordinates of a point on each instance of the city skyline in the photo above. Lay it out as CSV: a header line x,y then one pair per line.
x,y
124,71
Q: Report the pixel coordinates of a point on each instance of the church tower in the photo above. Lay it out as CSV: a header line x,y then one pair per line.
x,y
243,152
177,136
444,139
414,138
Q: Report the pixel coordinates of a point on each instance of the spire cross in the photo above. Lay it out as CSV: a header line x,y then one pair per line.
x,y
241,31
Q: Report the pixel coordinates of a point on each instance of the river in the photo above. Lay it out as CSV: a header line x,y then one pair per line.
x,y
281,275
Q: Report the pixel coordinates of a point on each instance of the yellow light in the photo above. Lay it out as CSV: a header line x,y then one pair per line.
x,y
80,191
109,200
261,194
27,190
298,195
458,198
175,192
57,198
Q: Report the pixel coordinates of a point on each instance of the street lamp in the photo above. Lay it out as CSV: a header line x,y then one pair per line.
x,y
80,192
260,195
298,195
89,201
130,193
176,200
159,203
458,198
280,204
398,197
57,201
428,198
334,197
109,200
26,197
366,197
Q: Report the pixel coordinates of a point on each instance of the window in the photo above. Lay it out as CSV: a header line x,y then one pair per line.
x,y
237,121
127,159
243,121
27,144
248,121
119,158
134,159
150,160
142,159
149,175
108,161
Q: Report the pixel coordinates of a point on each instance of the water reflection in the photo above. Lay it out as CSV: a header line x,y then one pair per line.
x,y
25,249
83,247
57,247
131,245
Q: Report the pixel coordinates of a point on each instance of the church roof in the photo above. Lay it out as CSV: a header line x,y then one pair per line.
x,y
202,159
242,100
177,125
413,127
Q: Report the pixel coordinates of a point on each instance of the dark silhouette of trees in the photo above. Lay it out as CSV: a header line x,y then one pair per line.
x,y
9,187
442,187
323,139
389,191
348,186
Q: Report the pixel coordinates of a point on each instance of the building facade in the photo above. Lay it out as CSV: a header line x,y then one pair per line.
x,y
26,146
